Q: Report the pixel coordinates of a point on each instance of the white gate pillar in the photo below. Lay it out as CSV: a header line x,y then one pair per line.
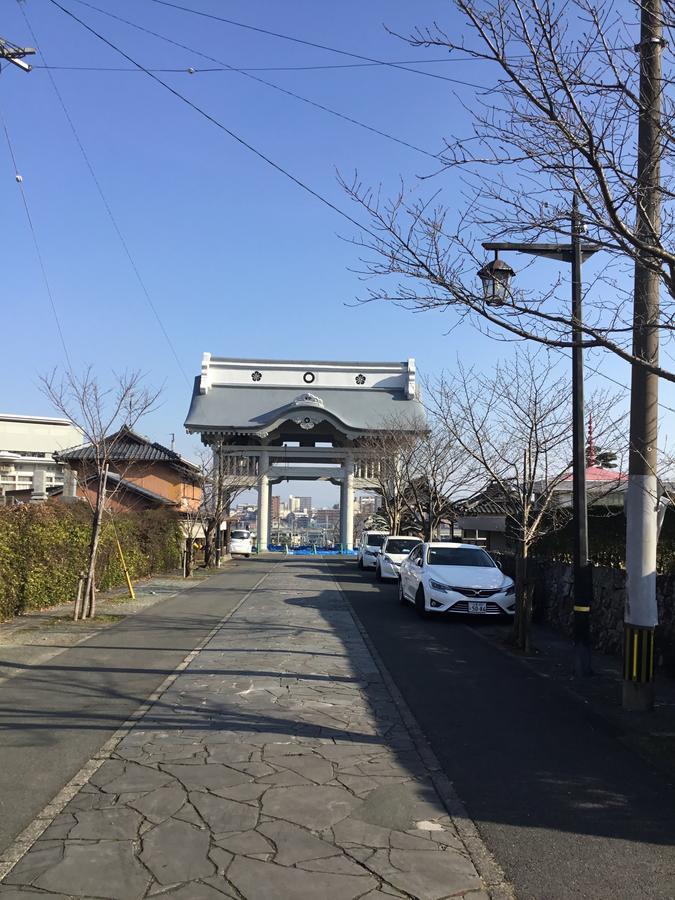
x,y
263,501
269,513
347,505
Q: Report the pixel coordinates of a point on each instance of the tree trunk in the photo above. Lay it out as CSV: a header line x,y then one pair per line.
x,y
189,557
228,539
209,540
89,601
523,617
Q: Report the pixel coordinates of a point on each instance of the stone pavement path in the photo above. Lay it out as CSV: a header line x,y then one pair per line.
x,y
276,766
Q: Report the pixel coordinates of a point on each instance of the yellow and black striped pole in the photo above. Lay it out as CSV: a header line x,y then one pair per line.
x,y
638,654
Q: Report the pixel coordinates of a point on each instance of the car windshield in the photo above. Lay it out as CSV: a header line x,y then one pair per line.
x,y
459,556
240,535
375,540
400,545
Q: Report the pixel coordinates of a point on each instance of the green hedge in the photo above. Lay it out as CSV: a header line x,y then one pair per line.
x,y
43,548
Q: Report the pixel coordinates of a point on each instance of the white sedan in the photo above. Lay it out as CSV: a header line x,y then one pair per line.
x,y
455,578
394,550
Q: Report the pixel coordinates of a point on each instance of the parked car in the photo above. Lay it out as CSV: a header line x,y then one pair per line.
x,y
241,543
369,546
394,550
455,578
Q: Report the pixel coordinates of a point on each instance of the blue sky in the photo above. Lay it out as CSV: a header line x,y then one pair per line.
x,y
237,259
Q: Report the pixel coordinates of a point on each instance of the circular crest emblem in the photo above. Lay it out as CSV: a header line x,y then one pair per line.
x,y
256,376
360,379
308,377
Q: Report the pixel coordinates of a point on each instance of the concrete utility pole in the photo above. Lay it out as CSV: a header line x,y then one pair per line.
x,y
641,616
583,574
14,54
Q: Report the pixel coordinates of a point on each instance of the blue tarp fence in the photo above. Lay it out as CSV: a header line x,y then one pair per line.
x,y
310,550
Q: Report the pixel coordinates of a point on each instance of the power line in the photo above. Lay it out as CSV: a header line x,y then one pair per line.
x,y
287,37
607,377
269,84
217,123
106,204
225,68
19,180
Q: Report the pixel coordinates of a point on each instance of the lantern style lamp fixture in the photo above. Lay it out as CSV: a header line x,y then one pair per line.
x,y
496,277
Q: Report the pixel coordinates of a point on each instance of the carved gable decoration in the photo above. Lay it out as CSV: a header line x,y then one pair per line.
x,y
308,399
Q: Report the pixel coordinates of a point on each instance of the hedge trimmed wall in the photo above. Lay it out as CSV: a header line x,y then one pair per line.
x,y
43,548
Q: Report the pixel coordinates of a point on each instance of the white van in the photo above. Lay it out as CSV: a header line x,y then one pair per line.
x,y
241,543
369,548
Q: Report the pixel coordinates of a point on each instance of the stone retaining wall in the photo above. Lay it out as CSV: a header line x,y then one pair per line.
x,y
553,605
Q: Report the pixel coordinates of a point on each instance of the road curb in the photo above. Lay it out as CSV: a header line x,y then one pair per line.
x,y
32,832
496,883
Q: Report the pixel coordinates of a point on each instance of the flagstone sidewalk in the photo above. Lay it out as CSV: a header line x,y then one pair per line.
x,y
276,766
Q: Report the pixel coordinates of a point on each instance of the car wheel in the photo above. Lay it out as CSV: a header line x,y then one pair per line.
x,y
402,599
247,555
361,562
420,604
378,574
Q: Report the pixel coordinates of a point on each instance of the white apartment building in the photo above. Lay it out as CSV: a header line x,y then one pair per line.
x,y
301,505
26,447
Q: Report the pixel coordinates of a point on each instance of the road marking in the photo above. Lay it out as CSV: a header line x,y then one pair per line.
x,y
32,832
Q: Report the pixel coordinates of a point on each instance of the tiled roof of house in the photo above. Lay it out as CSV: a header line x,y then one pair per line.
x,y
128,446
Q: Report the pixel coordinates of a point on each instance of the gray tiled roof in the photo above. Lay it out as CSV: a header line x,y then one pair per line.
x,y
127,446
251,409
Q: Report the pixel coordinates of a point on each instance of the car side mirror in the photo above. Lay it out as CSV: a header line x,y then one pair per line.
x,y
419,562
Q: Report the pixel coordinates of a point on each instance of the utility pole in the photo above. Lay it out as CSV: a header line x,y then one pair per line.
x,y
14,54
641,615
583,575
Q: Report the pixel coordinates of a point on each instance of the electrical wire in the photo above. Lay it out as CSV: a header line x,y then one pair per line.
x,y
191,71
244,143
269,84
607,377
287,37
38,252
106,204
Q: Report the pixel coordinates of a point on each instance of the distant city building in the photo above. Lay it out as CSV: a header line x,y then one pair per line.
x,y
300,505
27,467
276,506
329,517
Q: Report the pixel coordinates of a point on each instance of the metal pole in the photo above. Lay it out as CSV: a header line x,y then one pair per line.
x,y
583,579
641,615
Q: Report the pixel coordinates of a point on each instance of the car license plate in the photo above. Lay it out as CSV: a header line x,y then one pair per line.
x,y
476,606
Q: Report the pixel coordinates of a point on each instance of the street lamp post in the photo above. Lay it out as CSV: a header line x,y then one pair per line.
x,y
496,277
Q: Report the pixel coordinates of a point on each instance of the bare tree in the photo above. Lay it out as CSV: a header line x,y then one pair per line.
x,y
436,472
388,456
101,414
560,119
515,424
222,485
195,519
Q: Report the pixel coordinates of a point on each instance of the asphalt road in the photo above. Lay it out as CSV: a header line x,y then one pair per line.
x,y
55,716
566,809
